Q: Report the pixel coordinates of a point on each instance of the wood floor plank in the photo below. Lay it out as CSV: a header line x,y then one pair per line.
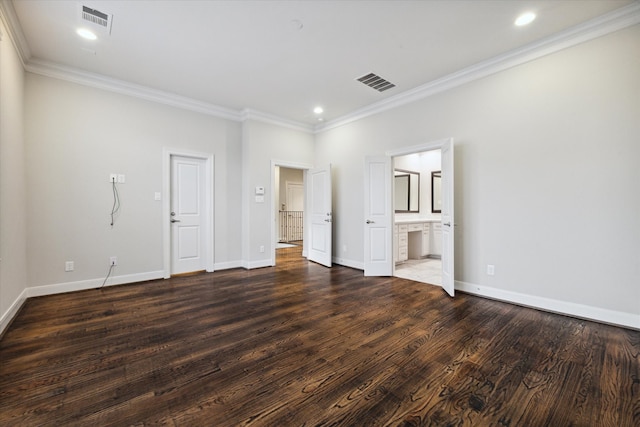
x,y
303,345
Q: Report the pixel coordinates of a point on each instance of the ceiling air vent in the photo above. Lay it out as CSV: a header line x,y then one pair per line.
x,y
376,82
100,19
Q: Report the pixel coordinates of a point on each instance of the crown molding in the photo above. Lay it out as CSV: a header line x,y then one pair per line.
x,y
598,27
57,71
603,25
12,25
99,81
251,114
11,22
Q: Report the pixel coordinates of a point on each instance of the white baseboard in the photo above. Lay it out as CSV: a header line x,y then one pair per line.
x,y
597,314
358,265
81,285
7,317
227,265
249,265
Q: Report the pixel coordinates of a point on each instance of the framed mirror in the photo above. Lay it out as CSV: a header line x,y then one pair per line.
x,y
407,191
436,192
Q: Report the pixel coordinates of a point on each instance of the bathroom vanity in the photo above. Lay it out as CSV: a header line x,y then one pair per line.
x,y
417,239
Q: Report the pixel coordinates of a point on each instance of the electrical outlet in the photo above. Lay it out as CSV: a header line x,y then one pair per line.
x,y
113,260
261,249
113,177
491,269
121,178
68,266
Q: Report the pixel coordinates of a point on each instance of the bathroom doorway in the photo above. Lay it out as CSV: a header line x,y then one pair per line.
x,y
417,235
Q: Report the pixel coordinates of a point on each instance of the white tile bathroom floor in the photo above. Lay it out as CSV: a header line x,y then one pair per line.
x,y
421,270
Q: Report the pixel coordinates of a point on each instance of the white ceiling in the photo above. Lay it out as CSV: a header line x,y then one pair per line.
x,y
285,57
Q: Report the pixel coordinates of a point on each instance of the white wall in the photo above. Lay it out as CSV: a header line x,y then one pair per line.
x,y
76,136
262,144
13,226
546,177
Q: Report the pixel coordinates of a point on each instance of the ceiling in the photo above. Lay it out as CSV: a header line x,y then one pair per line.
x,y
284,58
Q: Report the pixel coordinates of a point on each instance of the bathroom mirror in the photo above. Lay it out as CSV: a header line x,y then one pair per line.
x,y
407,191
436,192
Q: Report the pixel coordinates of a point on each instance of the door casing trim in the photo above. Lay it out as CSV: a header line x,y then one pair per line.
x,y
428,146
274,204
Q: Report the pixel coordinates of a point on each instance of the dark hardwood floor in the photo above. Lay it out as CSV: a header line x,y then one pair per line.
x,y
301,344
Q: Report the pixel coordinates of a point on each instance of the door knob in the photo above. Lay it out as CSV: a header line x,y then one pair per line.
x,y
448,224
370,222
175,220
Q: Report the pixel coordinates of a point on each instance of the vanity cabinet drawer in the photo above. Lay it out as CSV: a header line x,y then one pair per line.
x,y
400,242
436,239
414,227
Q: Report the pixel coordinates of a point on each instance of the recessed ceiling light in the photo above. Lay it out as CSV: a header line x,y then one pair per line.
x,y
84,33
525,19
318,110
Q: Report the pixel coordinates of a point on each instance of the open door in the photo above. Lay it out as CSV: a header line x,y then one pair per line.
x,y
321,216
378,217
447,218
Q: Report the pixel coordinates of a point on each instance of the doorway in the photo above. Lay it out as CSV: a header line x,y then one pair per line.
x,y
417,217
290,196
288,180
379,212
187,201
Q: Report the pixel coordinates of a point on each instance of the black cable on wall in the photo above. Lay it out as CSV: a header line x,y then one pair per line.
x,y
116,201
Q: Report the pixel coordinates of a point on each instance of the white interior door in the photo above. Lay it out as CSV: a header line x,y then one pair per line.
x,y
188,212
378,216
321,216
448,283
295,196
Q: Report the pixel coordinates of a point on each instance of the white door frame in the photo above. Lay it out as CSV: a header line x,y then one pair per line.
x,y
429,146
274,204
167,153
